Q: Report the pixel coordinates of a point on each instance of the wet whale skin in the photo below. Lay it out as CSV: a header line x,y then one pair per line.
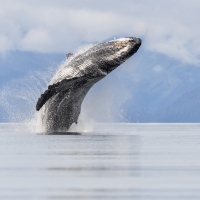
x,y
60,104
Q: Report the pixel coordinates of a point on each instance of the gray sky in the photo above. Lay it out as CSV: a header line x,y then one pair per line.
x,y
48,26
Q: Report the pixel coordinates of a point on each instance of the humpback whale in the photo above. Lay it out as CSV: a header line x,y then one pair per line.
x,y
60,104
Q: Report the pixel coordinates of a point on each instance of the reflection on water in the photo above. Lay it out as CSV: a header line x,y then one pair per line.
x,y
116,161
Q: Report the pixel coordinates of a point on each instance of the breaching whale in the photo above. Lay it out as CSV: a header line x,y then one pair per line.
x,y
60,104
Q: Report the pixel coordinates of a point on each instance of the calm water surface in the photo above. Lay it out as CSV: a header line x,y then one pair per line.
x,y
115,161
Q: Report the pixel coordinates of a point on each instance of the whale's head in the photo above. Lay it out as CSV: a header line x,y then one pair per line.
x,y
98,60
111,54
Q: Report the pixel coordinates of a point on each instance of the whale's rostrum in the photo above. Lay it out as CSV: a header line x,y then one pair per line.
x,y
60,104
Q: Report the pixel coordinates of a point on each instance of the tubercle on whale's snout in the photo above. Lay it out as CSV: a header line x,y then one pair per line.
x,y
135,40
136,43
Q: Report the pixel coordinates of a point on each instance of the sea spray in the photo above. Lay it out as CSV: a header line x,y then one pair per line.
x,y
18,97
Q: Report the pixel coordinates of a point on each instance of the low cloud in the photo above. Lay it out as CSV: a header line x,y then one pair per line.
x,y
36,40
170,28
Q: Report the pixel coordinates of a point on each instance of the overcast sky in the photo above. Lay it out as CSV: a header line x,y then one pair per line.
x,y
49,26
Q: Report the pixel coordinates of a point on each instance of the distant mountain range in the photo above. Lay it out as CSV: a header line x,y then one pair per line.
x,y
150,87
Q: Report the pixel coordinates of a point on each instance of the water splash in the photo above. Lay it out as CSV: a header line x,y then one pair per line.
x,y
18,98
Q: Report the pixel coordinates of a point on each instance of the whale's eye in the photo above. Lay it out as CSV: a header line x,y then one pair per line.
x,y
120,44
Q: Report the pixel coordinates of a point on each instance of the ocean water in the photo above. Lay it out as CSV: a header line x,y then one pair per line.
x,y
113,161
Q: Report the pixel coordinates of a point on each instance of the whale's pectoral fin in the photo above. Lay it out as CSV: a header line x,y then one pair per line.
x,y
64,85
68,55
54,89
